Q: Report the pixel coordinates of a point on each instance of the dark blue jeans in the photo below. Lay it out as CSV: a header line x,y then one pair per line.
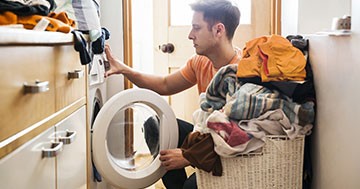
x,y
177,179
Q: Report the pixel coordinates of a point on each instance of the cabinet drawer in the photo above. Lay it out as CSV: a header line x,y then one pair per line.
x,y
70,77
21,64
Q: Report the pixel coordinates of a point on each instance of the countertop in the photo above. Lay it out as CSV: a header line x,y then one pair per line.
x,y
18,36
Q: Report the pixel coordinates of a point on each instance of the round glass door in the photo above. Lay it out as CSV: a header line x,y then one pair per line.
x,y
128,133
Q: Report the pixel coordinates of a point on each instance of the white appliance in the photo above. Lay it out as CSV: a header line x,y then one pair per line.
x,y
120,152
120,155
97,98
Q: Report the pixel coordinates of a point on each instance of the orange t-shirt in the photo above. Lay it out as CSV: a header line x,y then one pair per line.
x,y
200,70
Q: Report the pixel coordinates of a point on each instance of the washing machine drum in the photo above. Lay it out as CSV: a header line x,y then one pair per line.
x,y
128,133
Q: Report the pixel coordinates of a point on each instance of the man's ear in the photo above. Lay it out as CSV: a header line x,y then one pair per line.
x,y
219,29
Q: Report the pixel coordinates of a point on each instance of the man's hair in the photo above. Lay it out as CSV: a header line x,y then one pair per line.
x,y
223,11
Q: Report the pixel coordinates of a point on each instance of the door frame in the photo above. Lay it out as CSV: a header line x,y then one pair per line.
x,y
275,23
127,27
127,35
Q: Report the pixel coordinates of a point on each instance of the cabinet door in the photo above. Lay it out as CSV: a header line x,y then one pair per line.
x,y
70,81
25,65
71,162
28,166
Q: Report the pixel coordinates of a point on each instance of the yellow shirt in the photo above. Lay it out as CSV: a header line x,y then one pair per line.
x,y
273,58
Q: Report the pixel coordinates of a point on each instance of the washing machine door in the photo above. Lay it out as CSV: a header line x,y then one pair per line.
x,y
128,133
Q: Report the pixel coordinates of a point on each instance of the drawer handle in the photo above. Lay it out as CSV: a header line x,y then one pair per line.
x,y
36,87
53,151
68,138
76,74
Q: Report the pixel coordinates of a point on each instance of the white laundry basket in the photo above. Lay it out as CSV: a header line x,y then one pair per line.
x,y
278,166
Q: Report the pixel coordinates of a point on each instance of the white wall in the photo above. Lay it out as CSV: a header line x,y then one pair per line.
x,y
142,35
308,16
289,20
336,69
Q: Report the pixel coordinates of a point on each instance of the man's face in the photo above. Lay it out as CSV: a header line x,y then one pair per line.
x,y
203,38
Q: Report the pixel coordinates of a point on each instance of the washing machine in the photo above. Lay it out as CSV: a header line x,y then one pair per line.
x,y
127,132
97,98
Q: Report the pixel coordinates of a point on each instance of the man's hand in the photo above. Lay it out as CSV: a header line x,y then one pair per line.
x,y
116,66
173,159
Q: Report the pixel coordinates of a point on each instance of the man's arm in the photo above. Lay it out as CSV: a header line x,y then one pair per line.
x,y
164,85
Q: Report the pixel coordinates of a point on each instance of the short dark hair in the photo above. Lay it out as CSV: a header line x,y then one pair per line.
x,y
223,11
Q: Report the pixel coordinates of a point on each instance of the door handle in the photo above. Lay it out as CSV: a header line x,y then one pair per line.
x,y
68,138
53,151
36,87
167,48
76,74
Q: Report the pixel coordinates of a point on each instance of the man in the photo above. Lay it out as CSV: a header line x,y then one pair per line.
x,y
213,25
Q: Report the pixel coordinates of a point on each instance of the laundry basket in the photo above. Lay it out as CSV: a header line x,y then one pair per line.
x,y
279,165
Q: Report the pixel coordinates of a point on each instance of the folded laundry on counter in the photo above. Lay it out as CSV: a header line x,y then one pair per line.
x,y
57,22
28,7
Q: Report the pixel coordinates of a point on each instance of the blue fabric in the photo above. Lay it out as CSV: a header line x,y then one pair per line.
x,y
175,179
80,46
98,46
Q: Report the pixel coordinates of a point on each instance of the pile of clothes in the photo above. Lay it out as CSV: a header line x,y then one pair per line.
x,y
65,16
29,14
269,92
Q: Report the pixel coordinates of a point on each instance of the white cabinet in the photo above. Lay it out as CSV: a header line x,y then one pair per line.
x,y
335,63
71,162
54,159
27,168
